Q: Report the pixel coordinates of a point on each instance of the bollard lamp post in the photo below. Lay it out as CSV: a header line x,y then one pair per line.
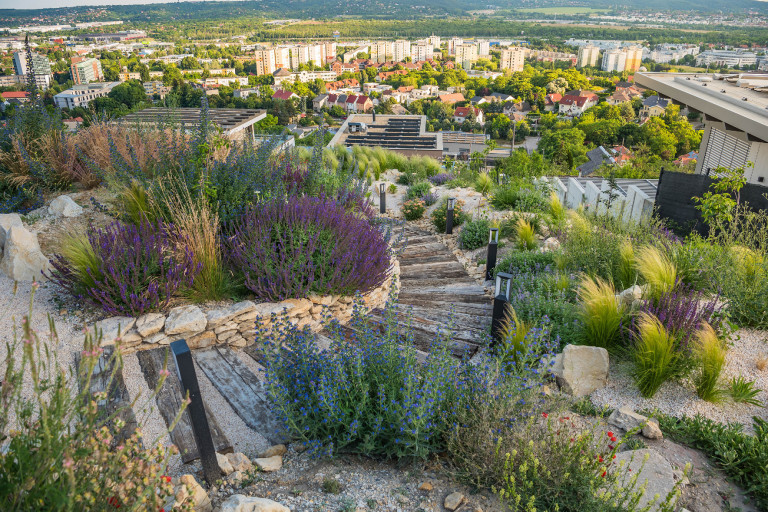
x,y
500,301
449,215
490,260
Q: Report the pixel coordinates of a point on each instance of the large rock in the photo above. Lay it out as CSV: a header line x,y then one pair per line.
x,y
580,369
113,327
185,319
657,475
149,324
64,206
630,295
188,491
7,221
239,461
270,464
240,503
224,465
627,419
22,258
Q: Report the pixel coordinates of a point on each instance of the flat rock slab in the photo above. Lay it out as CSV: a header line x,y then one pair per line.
x,y
654,472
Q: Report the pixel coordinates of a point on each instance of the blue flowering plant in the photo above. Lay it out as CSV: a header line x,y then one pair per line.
x,y
369,391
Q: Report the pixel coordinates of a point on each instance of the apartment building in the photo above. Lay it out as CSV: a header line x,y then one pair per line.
x,y
729,58
614,60
634,58
513,59
80,95
548,56
40,65
588,56
484,47
85,70
421,52
351,55
156,88
385,51
466,55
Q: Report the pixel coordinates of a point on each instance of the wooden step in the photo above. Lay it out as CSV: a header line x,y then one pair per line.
x,y
169,400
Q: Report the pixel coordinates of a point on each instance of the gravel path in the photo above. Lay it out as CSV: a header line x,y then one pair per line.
x,y
677,400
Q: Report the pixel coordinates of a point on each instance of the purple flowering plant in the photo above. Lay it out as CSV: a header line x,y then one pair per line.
x,y
441,178
128,269
302,245
370,392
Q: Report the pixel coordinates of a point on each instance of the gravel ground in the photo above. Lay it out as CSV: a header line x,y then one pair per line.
x,y
677,400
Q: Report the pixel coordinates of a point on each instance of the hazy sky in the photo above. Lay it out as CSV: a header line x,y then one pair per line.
x,y
38,4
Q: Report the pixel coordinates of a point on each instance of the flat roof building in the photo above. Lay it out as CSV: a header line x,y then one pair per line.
x,y
735,114
404,134
236,124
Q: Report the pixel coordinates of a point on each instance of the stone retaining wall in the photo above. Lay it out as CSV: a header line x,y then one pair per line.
x,y
233,325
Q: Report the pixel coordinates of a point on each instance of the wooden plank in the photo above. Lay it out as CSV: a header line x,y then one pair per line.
x,y
117,400
242,389
169,400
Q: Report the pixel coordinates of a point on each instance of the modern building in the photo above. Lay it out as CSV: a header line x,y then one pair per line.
x,y
85,71
727,58
405,134
614,60
466,55
484,47
588,56
156,88
80,95
422,52
735,114
513,59
235,124
40,65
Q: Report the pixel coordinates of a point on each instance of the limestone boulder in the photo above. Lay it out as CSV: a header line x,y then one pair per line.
x,y
653,471
550,244
64,206
629,296
580,370
203,340
224,465
278,449
240,462
149,324
240,503
627,419
270,464
184,320
22,258
7,221
188,491
111,328
218,317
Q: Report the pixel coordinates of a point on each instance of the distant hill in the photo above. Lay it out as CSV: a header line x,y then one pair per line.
x,y
379,9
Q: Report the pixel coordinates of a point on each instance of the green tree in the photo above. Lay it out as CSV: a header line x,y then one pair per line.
x,y
564,147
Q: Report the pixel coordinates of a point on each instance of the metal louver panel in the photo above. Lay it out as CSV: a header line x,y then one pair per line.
x,y
724,150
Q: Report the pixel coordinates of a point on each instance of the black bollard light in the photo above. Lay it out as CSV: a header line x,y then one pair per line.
x,y
449,215
200,427
490,260
500,301
382,199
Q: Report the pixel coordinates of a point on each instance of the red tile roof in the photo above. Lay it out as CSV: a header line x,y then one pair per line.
x,y
464,111
15,95
282,95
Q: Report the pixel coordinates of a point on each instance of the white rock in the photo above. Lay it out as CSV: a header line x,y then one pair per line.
x,y
657,475
111,327
224,464
158,337
630,295
202,340
7,221
239,461
189,491
149,324
221,316
240,503
270,464
64,206
185,319
278,449
453,501
551,244
22,258
651,430
580,369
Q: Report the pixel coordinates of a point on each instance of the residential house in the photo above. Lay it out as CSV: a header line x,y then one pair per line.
x,y
521,107
478,100
688,158
500,96
244,93
15,97
622,155
73,124
282,75
451,98
461,113
575,102
319,101
284,95
597,158
386,75
551,101
653,106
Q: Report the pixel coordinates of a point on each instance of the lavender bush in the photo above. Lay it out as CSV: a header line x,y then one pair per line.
x,y
441,178
682,311
302,245
371,395
126,269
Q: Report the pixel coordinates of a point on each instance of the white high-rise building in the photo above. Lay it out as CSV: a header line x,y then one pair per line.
x,y
400,50
381,51
614,60
588,56
422,51
483,47
453,43
466,55
513,59
434,41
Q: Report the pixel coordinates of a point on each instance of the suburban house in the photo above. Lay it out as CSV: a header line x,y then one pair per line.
x,y
551,101
461,113
385,75
451,98
281,75
653,106
15,97
283,95
350,103
574,103
339,67
687,158
319,101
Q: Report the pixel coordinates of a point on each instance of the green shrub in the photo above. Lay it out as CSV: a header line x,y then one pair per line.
x,y
743,391
474,234
418,190
509,224
525,236
483,183
657,271
556,213
438,215
710,355
61,451
626,273
519,196
655,355
413,209
741,455
601,313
